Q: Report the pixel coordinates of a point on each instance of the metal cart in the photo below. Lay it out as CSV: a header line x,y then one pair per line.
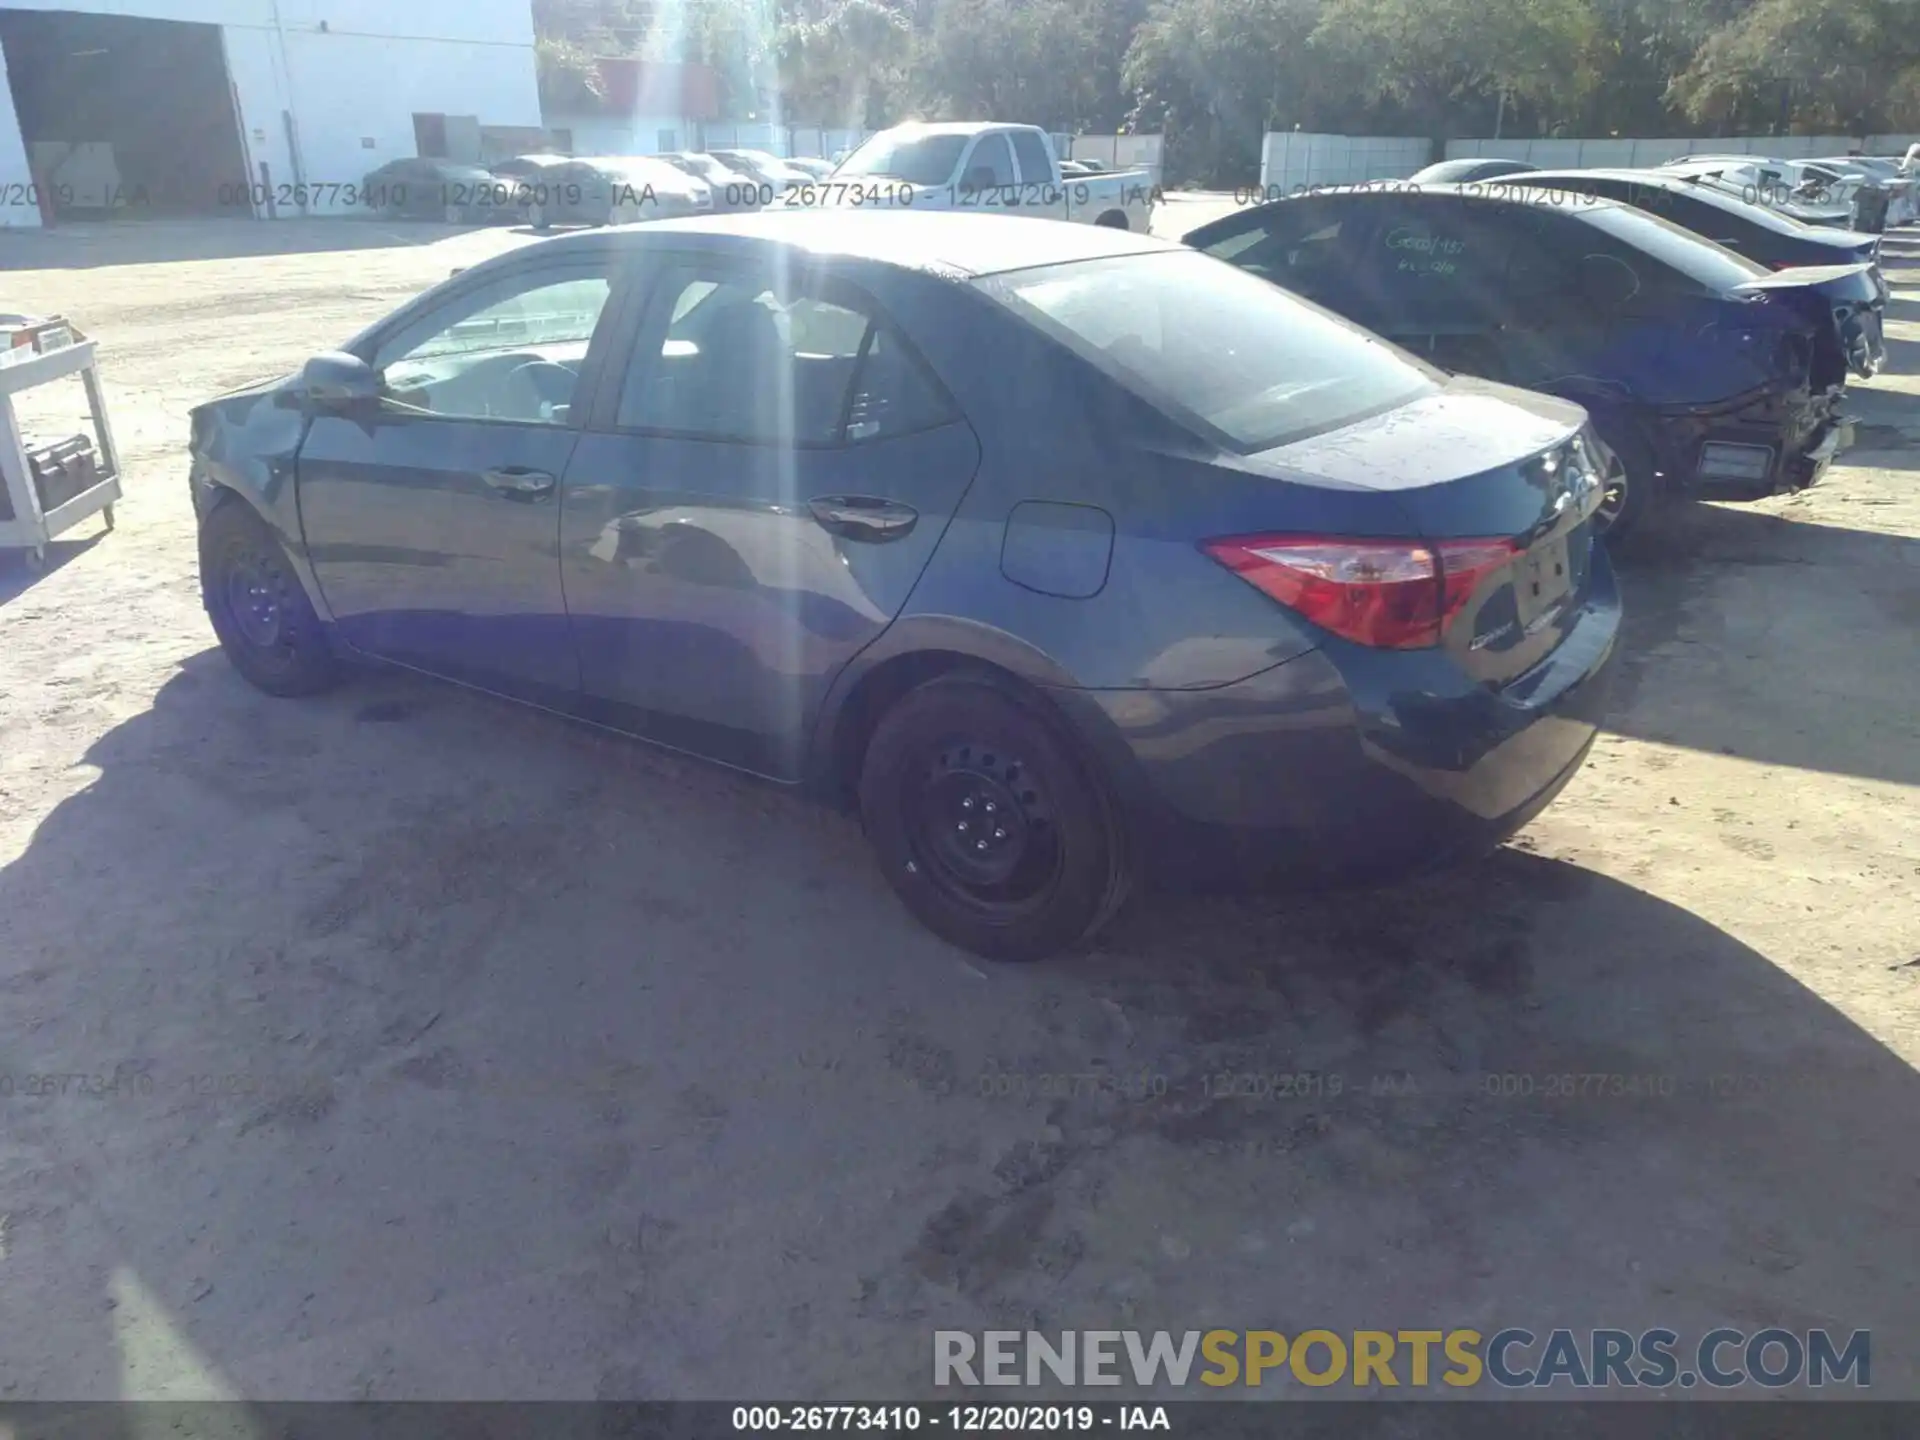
x,y
50,350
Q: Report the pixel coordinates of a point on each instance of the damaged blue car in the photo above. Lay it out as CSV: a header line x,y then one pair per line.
x,y
1704,372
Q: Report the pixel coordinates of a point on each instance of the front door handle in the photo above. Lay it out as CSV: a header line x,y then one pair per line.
x,y
863,517
518,483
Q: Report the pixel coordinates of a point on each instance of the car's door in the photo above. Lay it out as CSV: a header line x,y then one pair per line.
x,y
752,506
433,517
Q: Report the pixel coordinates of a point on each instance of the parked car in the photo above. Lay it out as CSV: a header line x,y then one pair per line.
x,y
430,188
1006,169
731,190
1702,371
1264,597
1751,230
1902,189
1785,187
774,176
614,190
1469,170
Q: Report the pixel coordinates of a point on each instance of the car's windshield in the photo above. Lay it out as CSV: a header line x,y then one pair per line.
x,y
1714,266
917,159
1240,361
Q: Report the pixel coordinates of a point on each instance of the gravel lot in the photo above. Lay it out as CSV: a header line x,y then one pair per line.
x,y
487,1056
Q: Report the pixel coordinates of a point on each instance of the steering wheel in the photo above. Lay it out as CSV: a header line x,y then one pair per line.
x,y
549,380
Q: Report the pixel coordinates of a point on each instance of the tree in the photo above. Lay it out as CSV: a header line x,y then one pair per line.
x,y
1055,63
1444,59
1214,75
1834,64
842,63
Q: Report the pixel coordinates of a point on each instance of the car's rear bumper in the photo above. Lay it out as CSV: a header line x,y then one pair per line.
x,y
1349,764
1754,449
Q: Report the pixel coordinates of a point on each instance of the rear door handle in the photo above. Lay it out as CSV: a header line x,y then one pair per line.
x,y
519,483
863,517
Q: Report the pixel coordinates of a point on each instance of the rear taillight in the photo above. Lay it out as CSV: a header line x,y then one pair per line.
x,y
1390,594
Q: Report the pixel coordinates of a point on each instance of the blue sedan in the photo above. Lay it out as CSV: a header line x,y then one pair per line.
x,y
1068,557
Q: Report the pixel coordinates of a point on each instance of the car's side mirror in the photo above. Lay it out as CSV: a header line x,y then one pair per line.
x,y
335,380
980,177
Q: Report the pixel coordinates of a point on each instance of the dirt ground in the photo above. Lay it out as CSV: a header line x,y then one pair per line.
x,y
467,1053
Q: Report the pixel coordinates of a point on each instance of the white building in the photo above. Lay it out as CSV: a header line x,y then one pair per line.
x,y
225,106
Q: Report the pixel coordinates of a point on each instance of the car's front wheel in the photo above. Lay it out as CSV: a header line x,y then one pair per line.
x,y
537,217
988,822
261,615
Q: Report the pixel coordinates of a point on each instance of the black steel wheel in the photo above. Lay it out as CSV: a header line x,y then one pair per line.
x,y
990,826
1630,480
260,613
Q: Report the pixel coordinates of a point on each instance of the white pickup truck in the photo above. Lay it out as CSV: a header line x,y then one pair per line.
x,y
1008,169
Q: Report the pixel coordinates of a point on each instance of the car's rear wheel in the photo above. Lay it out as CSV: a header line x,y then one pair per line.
x,y
259,612
537,217
987,821
1114,220
1632,482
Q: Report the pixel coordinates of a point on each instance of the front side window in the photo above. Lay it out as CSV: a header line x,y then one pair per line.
x,y
1237,360
512,350
738,363
1305,245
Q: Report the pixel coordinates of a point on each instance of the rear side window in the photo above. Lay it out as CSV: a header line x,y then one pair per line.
x,y
1236,360
739,364
991,163
1035,167
1439,265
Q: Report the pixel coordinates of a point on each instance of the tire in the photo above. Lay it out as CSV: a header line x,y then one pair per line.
x,y
1635,472
455,215
537,218
1114,220
259,611
939,758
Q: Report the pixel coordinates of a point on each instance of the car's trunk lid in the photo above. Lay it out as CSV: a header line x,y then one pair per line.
x,y
1847,304
1483,462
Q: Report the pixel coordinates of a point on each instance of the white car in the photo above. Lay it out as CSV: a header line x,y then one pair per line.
x,y
1902,185
1779,185
997,169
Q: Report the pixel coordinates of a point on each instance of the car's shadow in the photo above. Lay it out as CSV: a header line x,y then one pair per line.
x,y
1807,622
404,1044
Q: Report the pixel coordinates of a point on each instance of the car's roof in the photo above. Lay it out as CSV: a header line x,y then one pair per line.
x,y
956,127
934,241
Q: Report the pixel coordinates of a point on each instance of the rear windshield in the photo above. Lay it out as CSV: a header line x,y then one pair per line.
x,y
921,160
1694,256
1234,358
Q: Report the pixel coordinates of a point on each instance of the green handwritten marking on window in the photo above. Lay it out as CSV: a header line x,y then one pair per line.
x,y
1424,252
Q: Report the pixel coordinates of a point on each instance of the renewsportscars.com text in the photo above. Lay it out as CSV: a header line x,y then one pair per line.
x,y
1512,1358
